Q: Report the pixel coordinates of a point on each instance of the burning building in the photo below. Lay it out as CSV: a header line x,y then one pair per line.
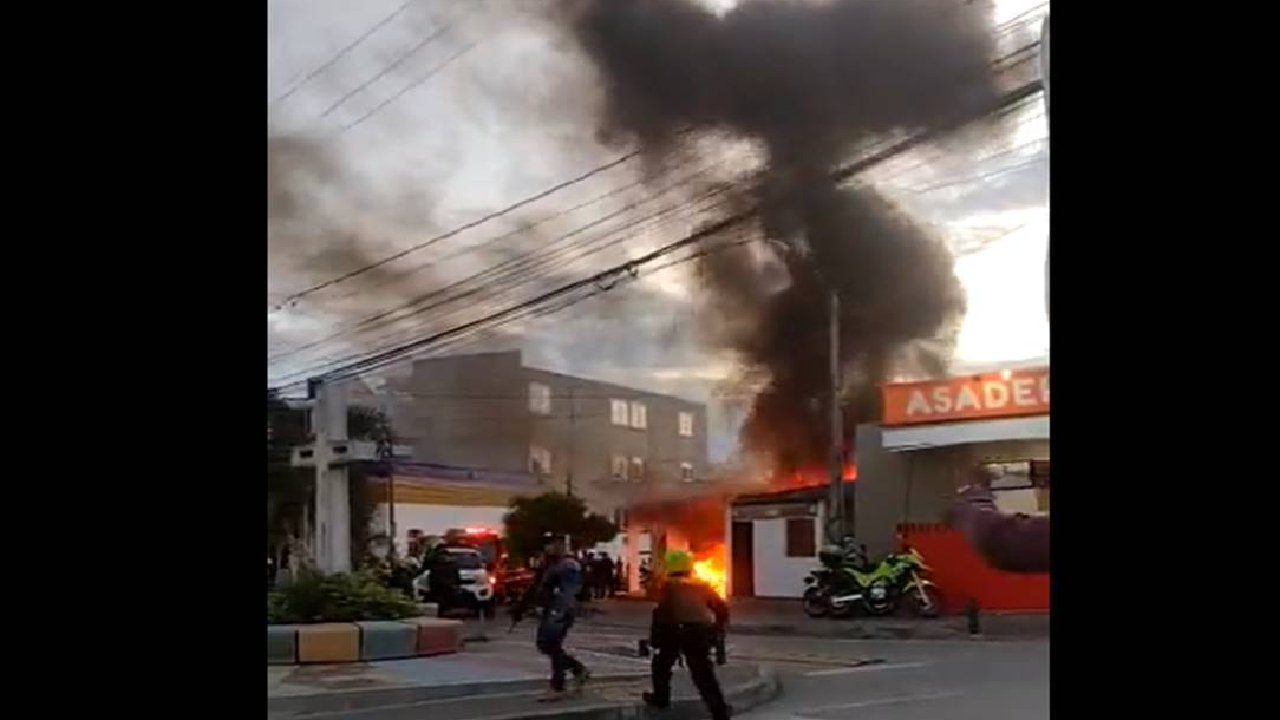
x,y
807,85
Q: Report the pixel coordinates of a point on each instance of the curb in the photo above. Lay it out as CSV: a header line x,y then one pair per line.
x,y
346,700
362,641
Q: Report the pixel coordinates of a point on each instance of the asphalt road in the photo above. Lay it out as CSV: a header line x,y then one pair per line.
x,y
910,680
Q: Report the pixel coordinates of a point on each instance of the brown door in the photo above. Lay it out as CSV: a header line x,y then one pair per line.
x,y
743,561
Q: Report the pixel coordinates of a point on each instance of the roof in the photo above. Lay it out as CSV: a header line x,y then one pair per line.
x,y
453,474
812,493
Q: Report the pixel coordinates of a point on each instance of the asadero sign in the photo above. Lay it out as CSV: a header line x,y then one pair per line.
x,y
1004,394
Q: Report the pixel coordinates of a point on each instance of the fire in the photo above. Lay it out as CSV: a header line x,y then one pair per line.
x,y
711,570
814,477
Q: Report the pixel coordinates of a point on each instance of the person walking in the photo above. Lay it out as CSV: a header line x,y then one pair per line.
x,y
688,621
604,588
556,591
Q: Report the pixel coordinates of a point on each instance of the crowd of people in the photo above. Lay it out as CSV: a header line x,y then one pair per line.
x,y
601,575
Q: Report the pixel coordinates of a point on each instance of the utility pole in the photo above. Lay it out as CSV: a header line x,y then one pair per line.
x,y
332,541
837,427
384,460
573,442
1044,74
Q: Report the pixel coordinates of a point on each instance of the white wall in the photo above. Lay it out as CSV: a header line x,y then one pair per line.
x,y
777,575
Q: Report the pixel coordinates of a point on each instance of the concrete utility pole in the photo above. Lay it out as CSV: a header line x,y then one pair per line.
x,y
1044,74
837,427
573,443
332,539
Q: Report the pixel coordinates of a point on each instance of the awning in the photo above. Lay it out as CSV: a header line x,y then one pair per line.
x,y
920,437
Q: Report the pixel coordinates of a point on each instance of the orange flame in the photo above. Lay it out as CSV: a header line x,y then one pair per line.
x,y
711,570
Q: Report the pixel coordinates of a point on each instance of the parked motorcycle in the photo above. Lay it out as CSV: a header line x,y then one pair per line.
x,y
848,582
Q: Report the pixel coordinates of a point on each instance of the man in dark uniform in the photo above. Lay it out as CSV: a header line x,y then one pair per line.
x,y
688,621
556,591
605,588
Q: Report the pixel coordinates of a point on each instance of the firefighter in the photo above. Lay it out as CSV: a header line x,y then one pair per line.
x,y
689,620
556,592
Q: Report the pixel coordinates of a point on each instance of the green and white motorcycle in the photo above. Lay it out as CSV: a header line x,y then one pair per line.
x,y
847,583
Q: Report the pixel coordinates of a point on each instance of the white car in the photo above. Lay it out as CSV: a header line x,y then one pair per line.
x,y
477,583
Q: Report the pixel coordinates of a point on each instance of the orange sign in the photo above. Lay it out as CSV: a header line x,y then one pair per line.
x,y
1003,394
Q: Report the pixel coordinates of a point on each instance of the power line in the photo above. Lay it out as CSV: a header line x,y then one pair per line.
x,y
430,74
461,228
341,54
979,178
512,269
400,60
523,228
1003,29
543,194
383,357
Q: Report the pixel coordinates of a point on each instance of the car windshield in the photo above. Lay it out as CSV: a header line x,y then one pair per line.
x,y
467,560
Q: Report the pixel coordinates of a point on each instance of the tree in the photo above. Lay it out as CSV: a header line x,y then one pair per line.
x,y
532,518
288,487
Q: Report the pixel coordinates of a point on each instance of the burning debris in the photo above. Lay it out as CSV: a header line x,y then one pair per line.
x,y
808,83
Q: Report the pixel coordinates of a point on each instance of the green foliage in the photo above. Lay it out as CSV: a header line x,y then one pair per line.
x,y
339,597
532,517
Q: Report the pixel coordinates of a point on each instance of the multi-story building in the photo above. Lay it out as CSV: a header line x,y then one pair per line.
x,y
606,443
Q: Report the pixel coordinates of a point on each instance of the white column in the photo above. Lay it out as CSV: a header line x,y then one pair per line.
x,y
333,509
632,551
728,549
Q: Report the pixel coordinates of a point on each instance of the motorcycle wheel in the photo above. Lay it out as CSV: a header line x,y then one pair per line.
x,y
814,603
928,606
884,607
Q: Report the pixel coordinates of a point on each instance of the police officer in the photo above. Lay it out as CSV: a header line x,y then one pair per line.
x,y
556,591
688,621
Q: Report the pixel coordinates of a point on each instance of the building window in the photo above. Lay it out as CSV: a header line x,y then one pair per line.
x,y
686,424
618,411
539,460
800,538
619,468
539,398
639,417
686,472
637,469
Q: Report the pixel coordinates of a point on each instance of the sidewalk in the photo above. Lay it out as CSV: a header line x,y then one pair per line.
x,y
491,681
755,616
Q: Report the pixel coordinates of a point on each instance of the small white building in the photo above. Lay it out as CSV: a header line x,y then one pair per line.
x,y
772,540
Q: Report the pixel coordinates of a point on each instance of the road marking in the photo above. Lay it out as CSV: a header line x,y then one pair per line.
x,y
881,701
867,668
610,656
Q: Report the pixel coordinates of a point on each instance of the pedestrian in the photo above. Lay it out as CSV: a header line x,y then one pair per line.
x,y
444,582
689,620
556,591
605,576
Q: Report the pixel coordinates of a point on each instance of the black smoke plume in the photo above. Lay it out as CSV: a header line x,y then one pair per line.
x,y
809,83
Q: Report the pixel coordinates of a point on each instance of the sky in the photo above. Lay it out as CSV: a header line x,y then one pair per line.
x,y
493,106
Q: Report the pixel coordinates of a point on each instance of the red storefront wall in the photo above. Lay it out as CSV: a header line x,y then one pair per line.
x,y
962,575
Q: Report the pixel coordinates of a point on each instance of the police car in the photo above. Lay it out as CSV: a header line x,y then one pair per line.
x,y
476,582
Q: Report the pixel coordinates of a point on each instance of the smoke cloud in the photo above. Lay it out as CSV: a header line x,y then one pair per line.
x,y
808,83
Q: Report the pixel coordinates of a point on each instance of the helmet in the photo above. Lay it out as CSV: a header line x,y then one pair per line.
x,y
679,561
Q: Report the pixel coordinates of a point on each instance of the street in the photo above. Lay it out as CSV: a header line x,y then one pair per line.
x,y
918,680
821,679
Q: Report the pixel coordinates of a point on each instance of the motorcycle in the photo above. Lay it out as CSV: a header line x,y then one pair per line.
x,y
848,582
